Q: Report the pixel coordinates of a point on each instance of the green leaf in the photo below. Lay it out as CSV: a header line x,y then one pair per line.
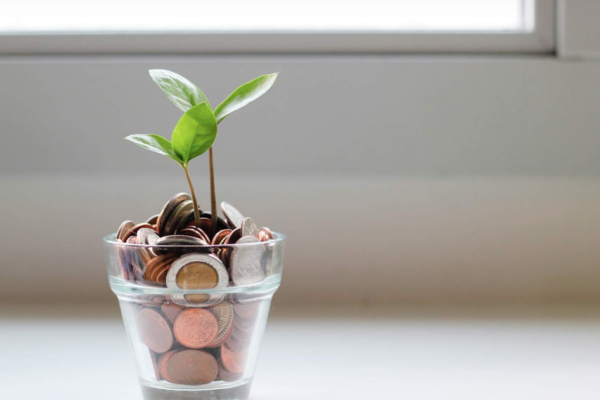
x,y
183,93
244,95
195,132
155,143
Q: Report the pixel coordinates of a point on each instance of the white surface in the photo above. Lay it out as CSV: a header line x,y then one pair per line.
x,y
491,354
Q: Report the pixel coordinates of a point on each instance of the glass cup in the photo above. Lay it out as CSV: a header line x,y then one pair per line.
x,y
195,315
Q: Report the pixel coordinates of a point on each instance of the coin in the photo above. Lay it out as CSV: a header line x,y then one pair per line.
x,y
234,217
191,367
134,229
235,344
171,311
228,376
244,324
154,330
195,328
233,361
124,228
219,236
142,235
177,216
246,309
218,342
224,313
246,262
195,232
197,271
153,358
163,363
177,240
267,232
152,220
249,228
242,335
221,223
154,266
168,209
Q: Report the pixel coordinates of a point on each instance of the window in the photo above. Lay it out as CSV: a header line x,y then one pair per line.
x,y
149,26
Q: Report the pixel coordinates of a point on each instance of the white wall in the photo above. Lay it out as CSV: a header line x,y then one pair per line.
x,y
397,179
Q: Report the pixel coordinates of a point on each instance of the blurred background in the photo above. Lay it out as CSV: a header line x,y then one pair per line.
x,y
434,165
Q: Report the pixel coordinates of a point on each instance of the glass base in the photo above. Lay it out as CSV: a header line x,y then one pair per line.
x,y
224,391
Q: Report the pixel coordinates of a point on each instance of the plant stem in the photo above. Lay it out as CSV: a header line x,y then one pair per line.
x,y
213,195
196,213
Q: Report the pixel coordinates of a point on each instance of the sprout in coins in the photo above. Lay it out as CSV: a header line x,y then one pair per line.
x,y
187,96
193,135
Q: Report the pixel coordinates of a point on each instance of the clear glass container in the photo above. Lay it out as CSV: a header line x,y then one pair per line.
x,y
195,315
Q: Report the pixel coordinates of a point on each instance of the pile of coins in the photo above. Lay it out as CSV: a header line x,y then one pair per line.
x,y
195,338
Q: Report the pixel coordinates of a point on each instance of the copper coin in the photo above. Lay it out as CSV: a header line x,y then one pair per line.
x,y
262,236
124,228
157,264
228,376
153,357
205,224
154,330
171,311
221,223
266,231
235,235
168,209
222,234
196,328
134,229
161,277
152,220
234,344
163,362
191,367
233,361
194,232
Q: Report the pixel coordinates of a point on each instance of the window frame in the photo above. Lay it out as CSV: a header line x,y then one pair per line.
x,y
541,40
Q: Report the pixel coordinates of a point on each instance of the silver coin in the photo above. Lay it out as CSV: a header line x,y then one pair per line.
x,y
234,217
152,238
247,262
142,235
224,313
209,259
249,228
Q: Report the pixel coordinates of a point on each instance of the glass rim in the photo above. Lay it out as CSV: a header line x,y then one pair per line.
x,y
111,240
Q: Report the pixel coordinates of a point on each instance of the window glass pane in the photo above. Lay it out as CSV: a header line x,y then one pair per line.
x,y
264,15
